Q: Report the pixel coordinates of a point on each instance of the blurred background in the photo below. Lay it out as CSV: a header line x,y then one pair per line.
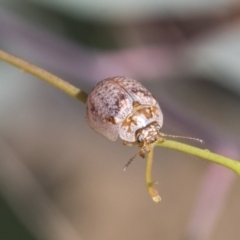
x,y
61,180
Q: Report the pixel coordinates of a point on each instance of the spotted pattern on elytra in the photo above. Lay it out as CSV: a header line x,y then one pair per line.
x,y
122,107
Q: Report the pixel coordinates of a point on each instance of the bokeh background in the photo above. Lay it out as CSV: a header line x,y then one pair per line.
x,y
59,180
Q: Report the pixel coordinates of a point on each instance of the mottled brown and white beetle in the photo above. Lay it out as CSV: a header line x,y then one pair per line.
x,y
122,107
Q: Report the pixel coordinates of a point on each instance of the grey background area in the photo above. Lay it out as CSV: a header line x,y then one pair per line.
x,y
61,180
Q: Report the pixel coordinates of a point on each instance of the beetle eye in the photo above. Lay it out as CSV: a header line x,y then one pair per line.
x,y
140,138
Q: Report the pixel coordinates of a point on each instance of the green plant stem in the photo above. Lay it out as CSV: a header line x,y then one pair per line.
x,y
45,76
202,153
152,192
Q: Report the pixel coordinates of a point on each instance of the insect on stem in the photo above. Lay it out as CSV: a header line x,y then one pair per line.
x,y
122,91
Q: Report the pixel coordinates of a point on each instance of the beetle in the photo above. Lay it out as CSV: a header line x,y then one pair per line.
x,y
122,107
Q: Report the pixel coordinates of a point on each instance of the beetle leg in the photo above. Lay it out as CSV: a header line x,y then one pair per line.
x,y
144,150
129,144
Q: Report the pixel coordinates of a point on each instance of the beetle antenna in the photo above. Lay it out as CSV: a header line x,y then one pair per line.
x,y
183,137
130,161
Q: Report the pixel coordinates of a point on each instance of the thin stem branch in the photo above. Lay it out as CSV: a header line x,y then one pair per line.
x,y
202,153
45,76
153,193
